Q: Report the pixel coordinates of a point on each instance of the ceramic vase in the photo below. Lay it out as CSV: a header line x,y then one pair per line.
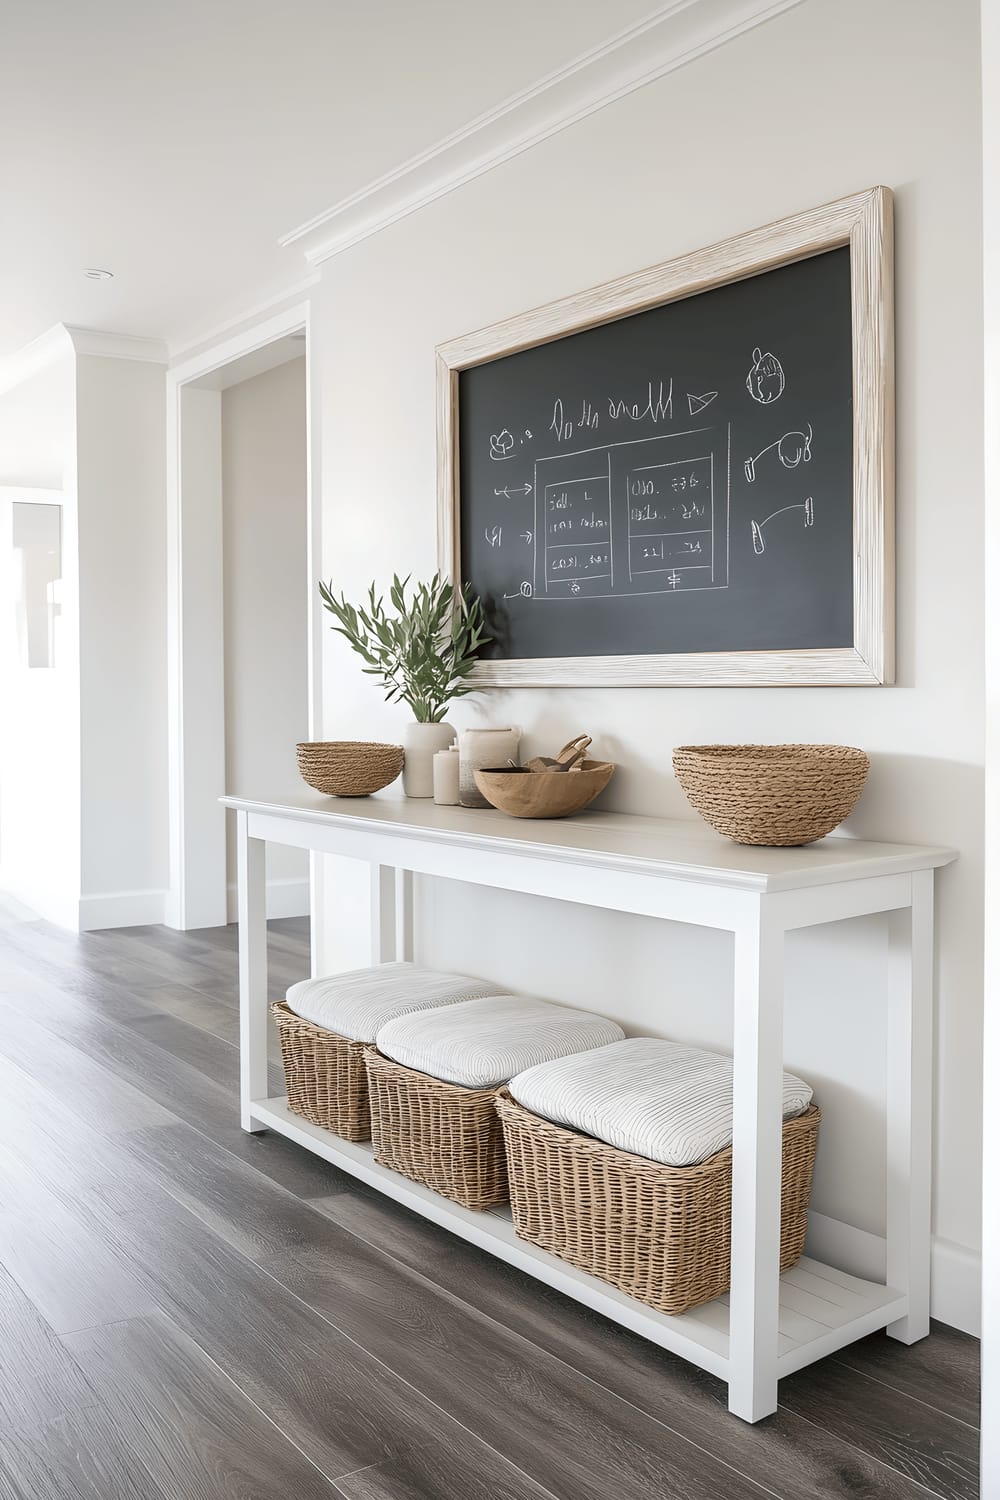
x,y
420,742
481,749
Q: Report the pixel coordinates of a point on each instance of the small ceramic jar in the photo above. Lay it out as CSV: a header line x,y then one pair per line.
x,y
480,749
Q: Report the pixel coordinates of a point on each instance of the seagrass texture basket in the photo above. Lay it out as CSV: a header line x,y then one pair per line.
x,y
445,1136
324,1075
659,1233
348,768
772,794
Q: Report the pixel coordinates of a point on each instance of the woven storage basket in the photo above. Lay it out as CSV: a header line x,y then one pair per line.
x,y
324,1075
772,794
659,1233
441,1134
348,768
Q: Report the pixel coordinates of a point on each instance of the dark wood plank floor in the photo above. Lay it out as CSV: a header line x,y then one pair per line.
x,y
188,1311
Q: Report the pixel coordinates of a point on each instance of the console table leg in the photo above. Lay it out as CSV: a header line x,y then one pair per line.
x,y
384,915
392,914
404,915
253,970
908,1107
757,1066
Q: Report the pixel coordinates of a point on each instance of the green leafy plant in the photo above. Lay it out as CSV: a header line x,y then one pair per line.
x,y
425,651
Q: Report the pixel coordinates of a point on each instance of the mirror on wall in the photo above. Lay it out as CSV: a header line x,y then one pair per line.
x,y
36,537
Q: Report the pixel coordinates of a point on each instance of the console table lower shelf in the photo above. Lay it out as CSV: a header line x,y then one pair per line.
x,y
821,1309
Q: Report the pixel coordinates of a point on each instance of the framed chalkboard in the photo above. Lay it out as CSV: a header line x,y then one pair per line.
x,y
685,475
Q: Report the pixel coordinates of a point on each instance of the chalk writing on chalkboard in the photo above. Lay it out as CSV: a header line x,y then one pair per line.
x,y
676,533
791,449
676,516
757,527
766,379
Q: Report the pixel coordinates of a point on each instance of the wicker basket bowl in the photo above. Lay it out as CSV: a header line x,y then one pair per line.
x,y
348,768
772,794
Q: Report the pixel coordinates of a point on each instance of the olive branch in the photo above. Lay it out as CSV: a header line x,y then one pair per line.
x,y
424,653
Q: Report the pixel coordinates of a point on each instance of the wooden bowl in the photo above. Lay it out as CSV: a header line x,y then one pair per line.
x,y
772,794
348,768
544,794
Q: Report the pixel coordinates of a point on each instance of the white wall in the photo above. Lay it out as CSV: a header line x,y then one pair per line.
x,y
823,101
266,601
122,499
37,426
990,1477
83,806
39,719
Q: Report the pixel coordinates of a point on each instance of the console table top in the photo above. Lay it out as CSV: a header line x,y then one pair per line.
x,y
672,848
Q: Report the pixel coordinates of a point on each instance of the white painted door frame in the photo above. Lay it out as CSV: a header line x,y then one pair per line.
x,y
196,894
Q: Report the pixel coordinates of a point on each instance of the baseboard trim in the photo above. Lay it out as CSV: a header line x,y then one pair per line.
x,y
956,1286
955,1270
285,898
842,1245
122,909
28,905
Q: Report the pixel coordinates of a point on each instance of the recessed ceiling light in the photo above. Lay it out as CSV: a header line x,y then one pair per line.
x,y
94,273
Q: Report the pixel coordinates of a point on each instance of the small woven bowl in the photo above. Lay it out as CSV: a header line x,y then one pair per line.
x,y
348,768
772,794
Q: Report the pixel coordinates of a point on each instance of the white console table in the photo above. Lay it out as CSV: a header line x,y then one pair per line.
x,y
769,1325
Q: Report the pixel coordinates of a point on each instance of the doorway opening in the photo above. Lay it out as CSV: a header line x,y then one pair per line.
x,y
243,686
39,689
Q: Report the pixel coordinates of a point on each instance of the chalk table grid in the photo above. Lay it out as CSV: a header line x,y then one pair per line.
x,y
768,1325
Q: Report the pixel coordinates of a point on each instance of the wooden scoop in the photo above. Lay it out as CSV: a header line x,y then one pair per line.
x,y
572,752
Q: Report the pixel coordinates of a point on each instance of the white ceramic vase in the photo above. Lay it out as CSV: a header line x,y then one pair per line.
x,y
420,742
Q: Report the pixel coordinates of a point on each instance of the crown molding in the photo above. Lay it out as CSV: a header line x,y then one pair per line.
x,y
116,345
672,36
67,338
193,344
34,357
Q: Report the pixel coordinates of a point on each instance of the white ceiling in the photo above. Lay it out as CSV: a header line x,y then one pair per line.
x,y
174,144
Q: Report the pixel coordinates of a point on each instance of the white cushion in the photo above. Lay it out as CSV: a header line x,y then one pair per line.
x,y
655,1098
356,1004
482,1043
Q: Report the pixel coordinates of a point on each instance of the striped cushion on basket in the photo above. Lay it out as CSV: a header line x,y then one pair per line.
x,y
482,1043
657,1099
357,1004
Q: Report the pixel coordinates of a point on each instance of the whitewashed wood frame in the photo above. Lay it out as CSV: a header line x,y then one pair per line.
x,y
864,223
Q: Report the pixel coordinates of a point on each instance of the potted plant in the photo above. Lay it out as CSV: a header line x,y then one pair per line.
x,y
423,650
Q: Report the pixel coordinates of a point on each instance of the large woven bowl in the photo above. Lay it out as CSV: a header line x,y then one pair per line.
x,y
348,768
772,794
